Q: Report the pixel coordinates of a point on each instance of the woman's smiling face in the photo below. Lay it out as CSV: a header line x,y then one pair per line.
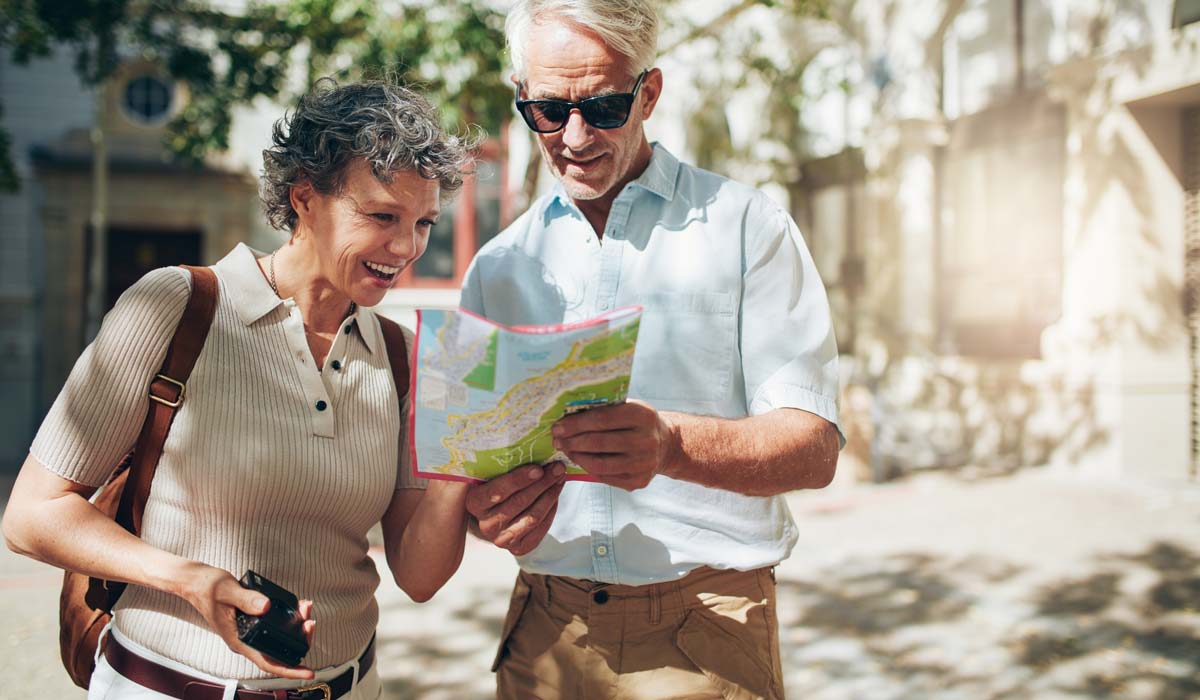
x,y
369,232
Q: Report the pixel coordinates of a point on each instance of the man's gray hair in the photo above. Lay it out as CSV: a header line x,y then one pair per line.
x,y
629,27
388,125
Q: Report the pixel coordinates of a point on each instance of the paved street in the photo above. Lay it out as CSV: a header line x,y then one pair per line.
x,y
1040,585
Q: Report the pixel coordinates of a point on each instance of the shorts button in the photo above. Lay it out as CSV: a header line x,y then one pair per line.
x,y
601,597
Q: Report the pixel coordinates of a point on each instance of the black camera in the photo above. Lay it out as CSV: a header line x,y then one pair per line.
x,y
279,632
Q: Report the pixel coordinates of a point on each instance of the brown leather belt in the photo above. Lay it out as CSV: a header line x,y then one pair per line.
x,y
168,681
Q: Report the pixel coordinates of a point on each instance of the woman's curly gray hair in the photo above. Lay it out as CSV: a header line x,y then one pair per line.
x,y
390,126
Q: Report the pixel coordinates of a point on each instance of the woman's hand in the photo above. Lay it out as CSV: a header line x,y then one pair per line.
x,y
217,596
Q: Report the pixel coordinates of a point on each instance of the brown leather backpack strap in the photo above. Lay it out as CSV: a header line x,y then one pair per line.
x,y
167,392
397,348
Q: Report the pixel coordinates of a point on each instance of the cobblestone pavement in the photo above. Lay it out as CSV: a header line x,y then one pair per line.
x,y
1040,585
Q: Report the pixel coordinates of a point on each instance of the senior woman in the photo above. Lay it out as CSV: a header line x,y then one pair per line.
x,y
290,445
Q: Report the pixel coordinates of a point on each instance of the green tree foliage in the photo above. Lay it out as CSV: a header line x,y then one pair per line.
x,y
226,57
743,56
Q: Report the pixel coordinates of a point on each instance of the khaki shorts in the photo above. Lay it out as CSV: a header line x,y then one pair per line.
x,y
712,635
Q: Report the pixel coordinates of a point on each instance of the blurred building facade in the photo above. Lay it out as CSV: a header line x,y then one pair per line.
x,y
1001,196
157,212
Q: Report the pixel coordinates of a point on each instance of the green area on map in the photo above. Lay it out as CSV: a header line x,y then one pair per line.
x,y
513,428
484,374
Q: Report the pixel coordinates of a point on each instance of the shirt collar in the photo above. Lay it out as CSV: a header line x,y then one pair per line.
x,y
660,175
253,298
658,178
368,328
248,290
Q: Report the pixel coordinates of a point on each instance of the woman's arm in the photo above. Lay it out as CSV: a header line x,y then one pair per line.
x,y
424,532
50,519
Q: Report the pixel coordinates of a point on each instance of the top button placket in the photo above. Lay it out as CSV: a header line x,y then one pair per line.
x,y
610,254
316,396
604,561
333,374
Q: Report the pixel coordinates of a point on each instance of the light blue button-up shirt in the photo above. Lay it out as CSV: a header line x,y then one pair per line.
x,y
736,323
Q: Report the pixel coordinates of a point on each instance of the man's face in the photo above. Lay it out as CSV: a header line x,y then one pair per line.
x,y
565,62
367,234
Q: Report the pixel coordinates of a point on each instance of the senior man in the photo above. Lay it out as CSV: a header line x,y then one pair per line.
x,y
657,582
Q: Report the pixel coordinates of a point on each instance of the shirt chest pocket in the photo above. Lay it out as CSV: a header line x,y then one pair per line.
x,y
686,346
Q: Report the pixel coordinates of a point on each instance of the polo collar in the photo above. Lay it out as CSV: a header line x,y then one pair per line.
x,y
368,328
248,289
252,297
658,178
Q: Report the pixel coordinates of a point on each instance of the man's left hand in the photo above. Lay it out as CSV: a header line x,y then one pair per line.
x,y
623,445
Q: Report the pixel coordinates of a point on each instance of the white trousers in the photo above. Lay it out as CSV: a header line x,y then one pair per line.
x,y
107,684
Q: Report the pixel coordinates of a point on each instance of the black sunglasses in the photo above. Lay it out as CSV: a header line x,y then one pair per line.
x,y
601,111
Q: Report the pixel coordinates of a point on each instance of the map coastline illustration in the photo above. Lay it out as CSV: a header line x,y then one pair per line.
x,y
484,396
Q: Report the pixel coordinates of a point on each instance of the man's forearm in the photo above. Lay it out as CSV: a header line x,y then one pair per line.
x,y
783,450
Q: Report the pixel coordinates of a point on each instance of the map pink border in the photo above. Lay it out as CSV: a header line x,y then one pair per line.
x,y
531,330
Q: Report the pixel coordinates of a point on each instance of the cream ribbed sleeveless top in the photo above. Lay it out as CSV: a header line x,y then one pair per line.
x,y
270,465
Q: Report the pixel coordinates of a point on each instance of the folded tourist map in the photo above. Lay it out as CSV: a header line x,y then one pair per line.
x,y
484,396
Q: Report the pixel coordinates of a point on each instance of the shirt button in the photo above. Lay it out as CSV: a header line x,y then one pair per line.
x,y
336,365
601,550
601,597
321,405
347,329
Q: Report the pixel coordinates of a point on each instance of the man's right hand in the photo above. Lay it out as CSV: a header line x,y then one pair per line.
x,y
514,511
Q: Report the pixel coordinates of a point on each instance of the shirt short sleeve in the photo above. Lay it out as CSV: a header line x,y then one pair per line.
x,y
98,414
787,341
471,297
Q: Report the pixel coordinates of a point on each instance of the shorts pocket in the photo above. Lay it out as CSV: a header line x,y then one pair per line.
x,y
516,608
724,659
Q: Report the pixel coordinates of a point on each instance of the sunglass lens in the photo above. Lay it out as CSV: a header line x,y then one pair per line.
x,y
547,116
606,112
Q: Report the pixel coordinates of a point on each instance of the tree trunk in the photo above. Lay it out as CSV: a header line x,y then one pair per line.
x,y
98,264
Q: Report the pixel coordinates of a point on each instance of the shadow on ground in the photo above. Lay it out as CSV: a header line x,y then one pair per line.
x,y
450,655
908,626
916,626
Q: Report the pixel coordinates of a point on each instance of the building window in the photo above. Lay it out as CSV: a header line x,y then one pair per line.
x,y
147,100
